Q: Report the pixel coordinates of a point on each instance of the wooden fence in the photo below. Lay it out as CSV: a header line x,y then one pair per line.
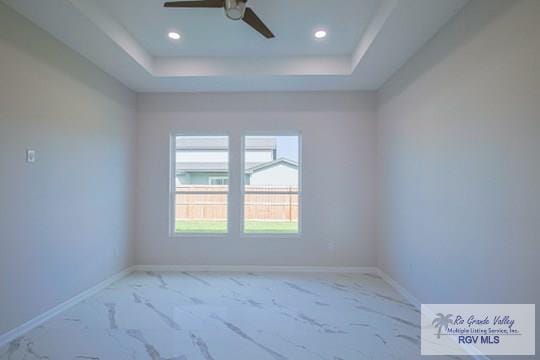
x,y
262,203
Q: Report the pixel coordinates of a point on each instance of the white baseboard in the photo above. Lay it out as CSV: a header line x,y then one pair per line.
x,y
40,319
413,300
257,268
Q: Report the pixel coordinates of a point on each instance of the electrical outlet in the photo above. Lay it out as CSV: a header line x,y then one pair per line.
x,y
30,156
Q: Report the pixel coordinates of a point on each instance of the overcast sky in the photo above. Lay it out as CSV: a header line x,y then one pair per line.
x,y
287,147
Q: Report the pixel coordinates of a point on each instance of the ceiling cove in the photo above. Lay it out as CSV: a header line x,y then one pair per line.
x,y
366,42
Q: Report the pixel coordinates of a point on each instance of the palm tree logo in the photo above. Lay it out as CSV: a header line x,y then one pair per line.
x,y
442,321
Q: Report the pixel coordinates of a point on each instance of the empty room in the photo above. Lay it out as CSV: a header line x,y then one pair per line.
x,y
269,180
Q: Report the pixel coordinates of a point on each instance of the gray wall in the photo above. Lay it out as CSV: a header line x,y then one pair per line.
x,y
65,220
458,139
459,160
338,131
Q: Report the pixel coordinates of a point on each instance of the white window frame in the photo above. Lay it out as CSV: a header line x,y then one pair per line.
x,y
173,193
243,232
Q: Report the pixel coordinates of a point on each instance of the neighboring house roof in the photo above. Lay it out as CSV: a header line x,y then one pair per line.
x,y
218,167
259,167
202,167
206,167
220,143
261,143
206,143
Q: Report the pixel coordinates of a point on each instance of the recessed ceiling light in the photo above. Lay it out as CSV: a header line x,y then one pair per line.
x,y
174,35
320,34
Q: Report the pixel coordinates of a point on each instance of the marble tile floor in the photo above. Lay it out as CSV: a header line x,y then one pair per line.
x,y
236,316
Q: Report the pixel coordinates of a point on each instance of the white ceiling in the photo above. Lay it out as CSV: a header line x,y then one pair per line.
x,y
207,32
368,41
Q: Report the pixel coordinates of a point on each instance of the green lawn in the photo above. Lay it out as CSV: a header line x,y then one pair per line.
x,y
283,227
193,226
252,227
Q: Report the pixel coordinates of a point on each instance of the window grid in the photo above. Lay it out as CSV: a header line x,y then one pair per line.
x,y
289,197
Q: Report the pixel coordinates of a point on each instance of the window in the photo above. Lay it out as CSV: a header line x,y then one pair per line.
x,y
200,191
218,180
271,184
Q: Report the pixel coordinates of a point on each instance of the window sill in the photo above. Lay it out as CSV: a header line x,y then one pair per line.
x,y
199,235
242,236
272,236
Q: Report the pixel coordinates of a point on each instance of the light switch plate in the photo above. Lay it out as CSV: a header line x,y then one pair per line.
x,y
30,156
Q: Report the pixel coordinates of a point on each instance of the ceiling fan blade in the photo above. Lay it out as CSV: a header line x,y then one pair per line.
x,y
253,20
195,4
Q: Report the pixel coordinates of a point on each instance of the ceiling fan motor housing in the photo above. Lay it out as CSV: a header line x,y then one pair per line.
x,y
235,9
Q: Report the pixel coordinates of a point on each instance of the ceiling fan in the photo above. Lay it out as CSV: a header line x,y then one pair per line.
x,y
234,10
